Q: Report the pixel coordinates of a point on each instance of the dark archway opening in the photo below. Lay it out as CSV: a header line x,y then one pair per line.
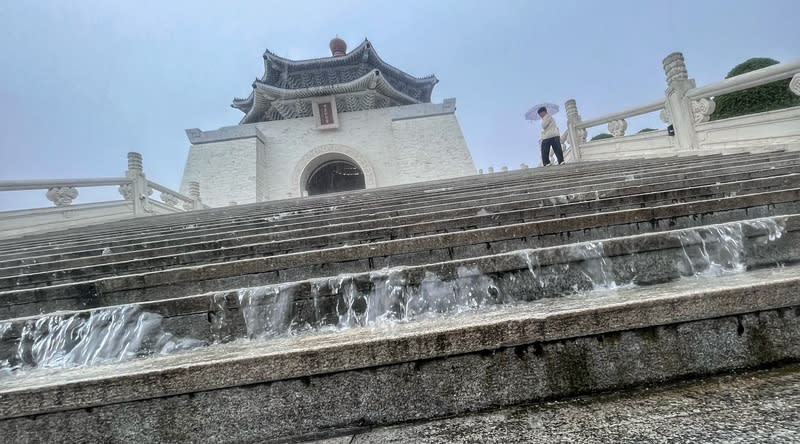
x,y
334,177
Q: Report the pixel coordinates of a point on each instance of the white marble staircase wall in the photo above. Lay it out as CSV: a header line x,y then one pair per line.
x,y
766,130
688,109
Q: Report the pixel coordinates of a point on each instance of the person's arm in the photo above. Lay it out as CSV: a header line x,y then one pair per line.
x,y
547,122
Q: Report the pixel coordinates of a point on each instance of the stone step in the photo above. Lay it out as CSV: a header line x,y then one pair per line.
x,y
328,384
488,280
326,200
260,219
755,406
419,250
395,228
242,231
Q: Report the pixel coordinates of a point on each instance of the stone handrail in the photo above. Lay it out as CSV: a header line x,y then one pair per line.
x,y
684,105
44,184
172,198
63,191
630,112
134,187
747,80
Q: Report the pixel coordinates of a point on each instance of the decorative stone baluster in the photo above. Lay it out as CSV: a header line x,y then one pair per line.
x,y
126,190
678,107
523,166
617,127
491,170
169,199
62,196
194,193
702,109
576,135
794,84
664,116
504,169
480,171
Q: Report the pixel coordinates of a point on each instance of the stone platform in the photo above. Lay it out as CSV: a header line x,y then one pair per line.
x,y
327,316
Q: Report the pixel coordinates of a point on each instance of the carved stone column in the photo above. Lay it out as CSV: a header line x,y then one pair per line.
x,y
577,136
194,193
678,107
137,191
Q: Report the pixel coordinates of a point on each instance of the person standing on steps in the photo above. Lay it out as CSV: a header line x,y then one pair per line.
x,y
551,138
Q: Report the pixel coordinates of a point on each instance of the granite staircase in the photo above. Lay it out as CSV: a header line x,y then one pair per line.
x,y
327,316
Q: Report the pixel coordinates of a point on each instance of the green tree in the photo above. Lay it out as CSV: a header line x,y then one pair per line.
x,y
602,136
772,96
646,130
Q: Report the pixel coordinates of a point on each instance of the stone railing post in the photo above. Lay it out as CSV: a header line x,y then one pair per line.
x,y
137,191
678,107
576,135
194,193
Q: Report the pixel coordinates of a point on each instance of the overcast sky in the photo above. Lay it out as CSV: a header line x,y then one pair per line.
x,y
84,82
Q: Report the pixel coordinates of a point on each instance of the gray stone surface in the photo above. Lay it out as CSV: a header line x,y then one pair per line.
x,y
407,372
761,406
732,167
640,254
337,384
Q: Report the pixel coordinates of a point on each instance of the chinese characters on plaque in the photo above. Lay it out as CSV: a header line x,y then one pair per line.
x,y
325,115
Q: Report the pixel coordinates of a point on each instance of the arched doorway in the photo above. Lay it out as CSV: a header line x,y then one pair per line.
x,y
335,176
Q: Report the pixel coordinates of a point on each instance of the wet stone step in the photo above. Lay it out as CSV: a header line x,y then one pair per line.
x,y
417,250
519,354
394,228
242,225
408,293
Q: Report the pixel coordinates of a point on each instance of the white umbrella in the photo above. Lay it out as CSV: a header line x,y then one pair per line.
x,y
533,114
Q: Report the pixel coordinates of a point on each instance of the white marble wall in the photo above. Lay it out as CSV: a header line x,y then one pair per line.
x,y
267,161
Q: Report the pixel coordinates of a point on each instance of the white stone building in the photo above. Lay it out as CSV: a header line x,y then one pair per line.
x,y
345,122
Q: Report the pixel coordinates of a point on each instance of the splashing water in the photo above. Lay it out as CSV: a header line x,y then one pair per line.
x,y
107,335
390,295
404,294
349,301
266,310
717,250
595,266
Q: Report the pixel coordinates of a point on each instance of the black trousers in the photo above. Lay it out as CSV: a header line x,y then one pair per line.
x,y
555,144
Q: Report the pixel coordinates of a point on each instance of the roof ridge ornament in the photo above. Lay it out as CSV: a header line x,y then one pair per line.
x,y
338,47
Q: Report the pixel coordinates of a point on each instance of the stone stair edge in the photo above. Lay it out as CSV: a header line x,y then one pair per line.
x,y
310,235
214,372
55,234
193,234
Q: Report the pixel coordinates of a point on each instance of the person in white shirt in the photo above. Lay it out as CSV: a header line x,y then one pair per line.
x,y
551,138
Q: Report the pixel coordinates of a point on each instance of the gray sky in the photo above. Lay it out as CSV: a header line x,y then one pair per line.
x,y
84,82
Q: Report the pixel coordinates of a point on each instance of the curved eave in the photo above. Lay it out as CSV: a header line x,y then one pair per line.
x,y
243,104
372,80
263,94
353,57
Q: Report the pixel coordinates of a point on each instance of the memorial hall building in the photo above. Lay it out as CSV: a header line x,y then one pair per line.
x,y
340,123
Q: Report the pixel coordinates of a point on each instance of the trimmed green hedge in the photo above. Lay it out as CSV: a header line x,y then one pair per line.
x,y
646,130
602,136
772,96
